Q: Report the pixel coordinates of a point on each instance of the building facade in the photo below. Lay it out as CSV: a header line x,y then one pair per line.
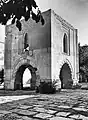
x,y
50,52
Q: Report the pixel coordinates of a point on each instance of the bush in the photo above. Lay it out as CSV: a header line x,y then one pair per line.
x,y
37,89
45,88
84,86
77,86
2,76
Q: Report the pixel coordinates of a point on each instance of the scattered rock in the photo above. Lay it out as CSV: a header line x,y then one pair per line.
x,y
80,109
43,115
24,107
65,114
59,118
26,112
66,107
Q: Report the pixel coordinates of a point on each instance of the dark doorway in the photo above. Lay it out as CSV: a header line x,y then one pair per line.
x,y
65,76
18,85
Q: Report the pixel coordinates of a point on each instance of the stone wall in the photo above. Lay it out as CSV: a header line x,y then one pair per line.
x,y
45,49
58,28
39,42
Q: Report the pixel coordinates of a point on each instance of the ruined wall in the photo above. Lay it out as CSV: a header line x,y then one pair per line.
x,y
45,48
58,28
39,55
39,39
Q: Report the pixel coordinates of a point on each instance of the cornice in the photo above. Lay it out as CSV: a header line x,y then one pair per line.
x,y
64,22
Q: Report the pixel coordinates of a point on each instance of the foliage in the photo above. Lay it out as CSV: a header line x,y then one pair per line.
x,y
16,9
2,76
77,86
54,83
83,54
83,62
37,89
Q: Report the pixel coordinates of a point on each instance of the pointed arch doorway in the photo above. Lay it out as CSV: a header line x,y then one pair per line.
x,y
18,84
65,75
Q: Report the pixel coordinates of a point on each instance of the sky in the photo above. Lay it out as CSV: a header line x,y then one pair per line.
x,y
26,76
73,11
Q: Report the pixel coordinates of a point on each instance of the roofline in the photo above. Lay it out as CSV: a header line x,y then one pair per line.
x,y
63,21
58,17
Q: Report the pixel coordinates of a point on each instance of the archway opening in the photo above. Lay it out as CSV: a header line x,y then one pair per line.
x,y
27,78
30,77
66,76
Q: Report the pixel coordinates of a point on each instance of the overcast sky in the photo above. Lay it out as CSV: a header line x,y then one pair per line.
x,y
73,11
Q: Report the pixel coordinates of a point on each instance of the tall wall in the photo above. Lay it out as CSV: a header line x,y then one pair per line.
x,y
46,43
39,40
58,28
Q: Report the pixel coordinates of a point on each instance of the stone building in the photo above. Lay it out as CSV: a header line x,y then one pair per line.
x,y
50,52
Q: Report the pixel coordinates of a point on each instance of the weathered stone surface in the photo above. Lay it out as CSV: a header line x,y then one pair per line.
x,y
19,119
44,110
53,105
61,106
59,118
43,115
28,118
10,117
15,110
24,107
16,115
63,114
39,109
47,112
83,117
26,112
38,105
74,116
1,114
51,111
4,112
11,98
80,109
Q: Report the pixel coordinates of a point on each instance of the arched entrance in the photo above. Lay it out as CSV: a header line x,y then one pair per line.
x,y
65,76
27,79
18,84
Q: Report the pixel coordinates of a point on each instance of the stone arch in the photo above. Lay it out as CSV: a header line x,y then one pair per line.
x,y
68,62
18,71
65,73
